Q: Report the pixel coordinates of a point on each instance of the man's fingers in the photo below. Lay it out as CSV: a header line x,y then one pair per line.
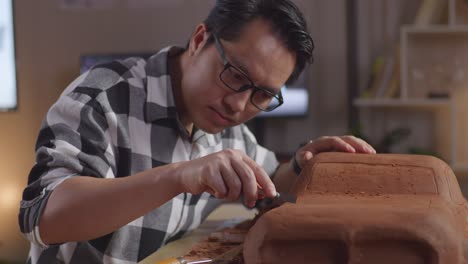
x,y
323,144
261,177
232,174
304,156
249,183
307,155
359,144
232,181
216,186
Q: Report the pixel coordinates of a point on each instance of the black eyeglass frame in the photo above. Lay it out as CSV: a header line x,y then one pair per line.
x,y
245,87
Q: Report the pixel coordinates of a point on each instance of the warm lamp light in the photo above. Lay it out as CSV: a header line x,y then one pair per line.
x,y
9,197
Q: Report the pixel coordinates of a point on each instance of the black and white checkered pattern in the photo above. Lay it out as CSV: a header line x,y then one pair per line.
x,y
116,120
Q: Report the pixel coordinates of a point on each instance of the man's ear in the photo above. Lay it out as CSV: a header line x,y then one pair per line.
x,y
198,40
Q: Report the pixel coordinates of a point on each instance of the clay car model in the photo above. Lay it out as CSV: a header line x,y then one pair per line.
x,y
361,208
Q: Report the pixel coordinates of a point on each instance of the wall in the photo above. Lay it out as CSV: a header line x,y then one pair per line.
x,y
327,79
50,40
379,24
379,29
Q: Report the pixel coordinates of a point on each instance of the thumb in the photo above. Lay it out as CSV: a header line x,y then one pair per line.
x,y
304,157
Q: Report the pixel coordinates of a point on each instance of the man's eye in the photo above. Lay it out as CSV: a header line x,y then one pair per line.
x,y
266,95
236,75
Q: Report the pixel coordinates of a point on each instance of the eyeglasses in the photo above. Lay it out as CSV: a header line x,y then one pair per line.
x,y
238,81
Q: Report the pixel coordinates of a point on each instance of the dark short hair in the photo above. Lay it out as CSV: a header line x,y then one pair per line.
x,y
228,17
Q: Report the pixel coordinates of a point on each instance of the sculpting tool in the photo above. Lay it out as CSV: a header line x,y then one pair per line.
x,y
279,199
285,198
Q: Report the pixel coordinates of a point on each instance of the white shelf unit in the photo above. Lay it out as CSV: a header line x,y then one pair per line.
x,y
434,59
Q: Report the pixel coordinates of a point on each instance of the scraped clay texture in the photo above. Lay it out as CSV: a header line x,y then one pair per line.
x,y
361,208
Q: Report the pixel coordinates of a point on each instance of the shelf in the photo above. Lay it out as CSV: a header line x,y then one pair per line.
x,y
412,29
383,102
433,59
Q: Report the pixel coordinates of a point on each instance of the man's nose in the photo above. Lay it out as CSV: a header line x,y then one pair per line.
x,y
237,102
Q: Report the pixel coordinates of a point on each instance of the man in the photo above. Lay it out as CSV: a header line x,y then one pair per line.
x,y
136,153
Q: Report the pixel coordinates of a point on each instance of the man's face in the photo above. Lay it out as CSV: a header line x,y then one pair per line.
x,y
212,106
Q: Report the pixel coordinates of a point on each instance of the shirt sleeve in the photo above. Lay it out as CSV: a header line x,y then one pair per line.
x,y
73,141
264,157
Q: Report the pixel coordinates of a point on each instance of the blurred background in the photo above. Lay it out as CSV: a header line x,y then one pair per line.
x,y
391,71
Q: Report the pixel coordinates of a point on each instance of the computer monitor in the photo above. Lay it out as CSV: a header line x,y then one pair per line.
x,y
8,90
295,95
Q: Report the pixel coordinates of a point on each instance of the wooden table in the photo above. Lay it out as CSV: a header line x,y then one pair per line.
x,y
226,215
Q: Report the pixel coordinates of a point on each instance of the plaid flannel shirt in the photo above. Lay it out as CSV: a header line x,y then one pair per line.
x,y
116,120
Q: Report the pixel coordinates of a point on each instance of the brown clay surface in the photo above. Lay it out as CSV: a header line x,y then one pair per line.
x,y
221,242
358,208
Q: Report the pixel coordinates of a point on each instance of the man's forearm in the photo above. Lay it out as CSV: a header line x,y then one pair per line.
x,y
83,208
284,177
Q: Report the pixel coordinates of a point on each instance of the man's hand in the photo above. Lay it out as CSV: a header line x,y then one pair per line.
x,y
226,175
322,144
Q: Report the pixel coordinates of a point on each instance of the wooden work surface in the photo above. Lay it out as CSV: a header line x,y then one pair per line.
x,y
226,215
